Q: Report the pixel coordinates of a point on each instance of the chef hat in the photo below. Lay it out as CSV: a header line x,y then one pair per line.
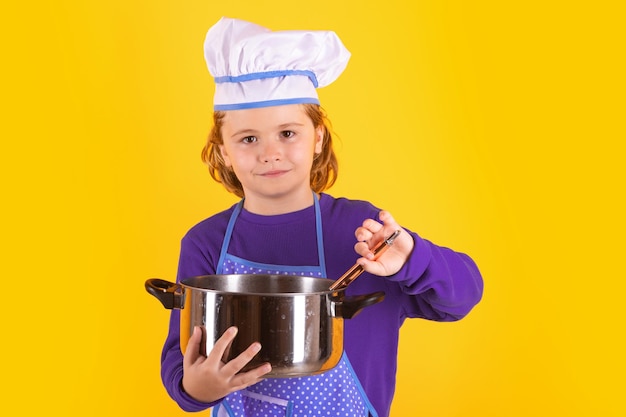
x,y
256,67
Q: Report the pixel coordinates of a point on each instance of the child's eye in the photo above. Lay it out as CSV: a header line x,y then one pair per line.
x,y
249,139
287,133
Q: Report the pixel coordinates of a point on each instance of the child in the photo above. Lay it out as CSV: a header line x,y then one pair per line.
x,y
271,146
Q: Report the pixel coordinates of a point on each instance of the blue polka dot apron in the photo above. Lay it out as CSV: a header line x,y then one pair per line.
x,y
335,393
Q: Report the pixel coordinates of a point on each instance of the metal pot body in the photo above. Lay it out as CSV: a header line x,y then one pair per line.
x,y
297,320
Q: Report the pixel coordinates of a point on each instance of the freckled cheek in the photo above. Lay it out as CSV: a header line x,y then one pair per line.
x,y
302,156
307,160
247,164
239,162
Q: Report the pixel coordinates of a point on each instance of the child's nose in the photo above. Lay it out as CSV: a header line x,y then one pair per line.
x,y
271,152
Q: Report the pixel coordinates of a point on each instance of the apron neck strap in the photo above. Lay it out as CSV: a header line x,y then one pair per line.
x,y
318,232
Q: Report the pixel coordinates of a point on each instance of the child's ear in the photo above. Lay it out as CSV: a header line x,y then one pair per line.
x,y
224,155
319,139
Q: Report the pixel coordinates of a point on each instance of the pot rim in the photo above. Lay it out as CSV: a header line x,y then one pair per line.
x,y
188,283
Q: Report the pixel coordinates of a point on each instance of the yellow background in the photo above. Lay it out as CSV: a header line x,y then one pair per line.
x,y
493,127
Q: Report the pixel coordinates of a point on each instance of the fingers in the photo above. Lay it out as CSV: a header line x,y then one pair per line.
x,y
367,230
245,379
372,232
192,352
236,364
222,344
391,258
208,379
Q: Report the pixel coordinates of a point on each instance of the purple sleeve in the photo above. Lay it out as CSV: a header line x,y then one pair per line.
x,y
192,263
445,285
172,369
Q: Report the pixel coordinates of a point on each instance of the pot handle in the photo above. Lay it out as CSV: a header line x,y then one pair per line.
x,y
168,293
349,307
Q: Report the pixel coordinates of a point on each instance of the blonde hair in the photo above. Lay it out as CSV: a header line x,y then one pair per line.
x,y
323,170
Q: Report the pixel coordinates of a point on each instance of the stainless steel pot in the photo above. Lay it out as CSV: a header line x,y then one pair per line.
x,y
297,320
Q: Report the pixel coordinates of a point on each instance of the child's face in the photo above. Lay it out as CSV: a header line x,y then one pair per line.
x,y
271,150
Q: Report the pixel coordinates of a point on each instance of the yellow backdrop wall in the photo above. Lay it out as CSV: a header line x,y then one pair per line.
x,y
495,128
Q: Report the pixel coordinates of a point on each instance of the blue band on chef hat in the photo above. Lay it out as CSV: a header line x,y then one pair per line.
x,y
266,74
267,103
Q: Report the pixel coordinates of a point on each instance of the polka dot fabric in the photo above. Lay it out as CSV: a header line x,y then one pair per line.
x,y
333,393
231,266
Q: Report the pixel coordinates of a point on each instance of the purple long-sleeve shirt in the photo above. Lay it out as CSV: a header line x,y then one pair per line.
x,y
436,283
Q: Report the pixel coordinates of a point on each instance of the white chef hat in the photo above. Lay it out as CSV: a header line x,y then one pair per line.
x,y
256,67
